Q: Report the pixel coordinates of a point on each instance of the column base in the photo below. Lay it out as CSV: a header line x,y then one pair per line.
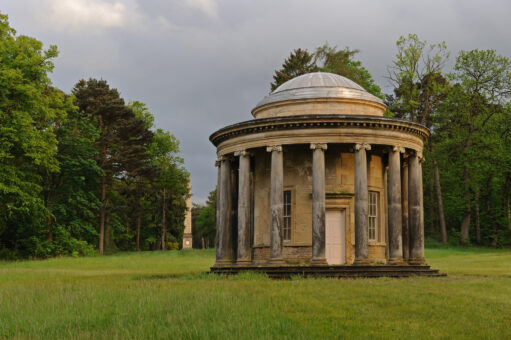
x,y
319,261
244,263
396,261
361,262
417,261
278,261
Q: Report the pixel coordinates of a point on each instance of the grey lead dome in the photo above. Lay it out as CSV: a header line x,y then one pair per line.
x,y
318,79
318,85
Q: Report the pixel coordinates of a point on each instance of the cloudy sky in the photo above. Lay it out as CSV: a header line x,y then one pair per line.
x,y
202,64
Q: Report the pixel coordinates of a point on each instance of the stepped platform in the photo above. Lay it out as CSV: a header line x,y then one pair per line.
x,y
333,271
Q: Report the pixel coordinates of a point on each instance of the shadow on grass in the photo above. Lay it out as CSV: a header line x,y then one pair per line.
x,y
204,276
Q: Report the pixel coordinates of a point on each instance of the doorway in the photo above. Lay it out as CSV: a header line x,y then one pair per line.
x,y
335,235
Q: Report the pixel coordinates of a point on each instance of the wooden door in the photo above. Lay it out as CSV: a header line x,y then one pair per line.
x,y
335,237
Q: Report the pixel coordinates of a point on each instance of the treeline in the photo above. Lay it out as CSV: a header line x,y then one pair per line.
x,y
467,173
81,172
204,223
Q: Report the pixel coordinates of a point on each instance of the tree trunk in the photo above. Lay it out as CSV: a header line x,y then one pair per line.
x,y
103,190
108,231
507,189
478,217
163,222
102,215
49,236
203,243
508,213
431,209
139,222
465,222
505,204
441,215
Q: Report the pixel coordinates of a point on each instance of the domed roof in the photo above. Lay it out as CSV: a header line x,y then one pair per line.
x,y
318,85
318,79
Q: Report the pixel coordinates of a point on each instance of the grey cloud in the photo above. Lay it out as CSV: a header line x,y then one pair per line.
x,y
198,72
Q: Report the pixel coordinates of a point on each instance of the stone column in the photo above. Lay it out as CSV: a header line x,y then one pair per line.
x,y
395,213
224,250
276,204
416,226
361,205
404,208
318,204
243,257
218,162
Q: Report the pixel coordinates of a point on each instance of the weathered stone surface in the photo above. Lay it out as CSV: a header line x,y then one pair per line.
x,y
416,226
276,203
395,214
339,191
361,204
404,208
224,250
187,232
244,208
318,203
340,179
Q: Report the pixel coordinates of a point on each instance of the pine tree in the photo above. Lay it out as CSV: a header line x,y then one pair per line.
x,y
123,139
299,62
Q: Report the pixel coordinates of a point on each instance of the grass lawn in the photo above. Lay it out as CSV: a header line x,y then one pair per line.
x,y
162,295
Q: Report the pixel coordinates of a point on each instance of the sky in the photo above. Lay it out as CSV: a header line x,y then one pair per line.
x,y
200,65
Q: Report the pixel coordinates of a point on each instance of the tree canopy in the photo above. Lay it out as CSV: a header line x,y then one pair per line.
x,y
73,167
326,58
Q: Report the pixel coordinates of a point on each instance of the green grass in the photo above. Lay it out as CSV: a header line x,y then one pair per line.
x,y
162,295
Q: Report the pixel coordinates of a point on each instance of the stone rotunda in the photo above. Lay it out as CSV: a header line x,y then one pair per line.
x,y
320,183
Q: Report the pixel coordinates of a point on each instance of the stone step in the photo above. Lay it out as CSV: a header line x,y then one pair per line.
x,y
333,271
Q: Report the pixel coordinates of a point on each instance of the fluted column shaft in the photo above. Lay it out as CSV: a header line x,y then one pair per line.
x,y
416,224
243,208
224,250
318,204
276,203
395,213
361,204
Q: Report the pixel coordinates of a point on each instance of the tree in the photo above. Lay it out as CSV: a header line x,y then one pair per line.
x,y
299,62
342,62
29,106
482,88
122,141
419,87
204,221
171,183
67,194
326,59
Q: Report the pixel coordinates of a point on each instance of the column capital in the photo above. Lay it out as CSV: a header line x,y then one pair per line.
x,y
242,153
322,146
272,148
420,155
219,160
397,148
362,146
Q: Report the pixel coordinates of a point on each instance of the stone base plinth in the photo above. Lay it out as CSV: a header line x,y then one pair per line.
x,y
342,271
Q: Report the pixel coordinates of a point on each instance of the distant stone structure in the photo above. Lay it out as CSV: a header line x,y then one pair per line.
x,y
187,235
320,183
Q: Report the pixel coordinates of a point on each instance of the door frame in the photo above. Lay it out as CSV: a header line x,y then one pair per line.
x,y
344,202
345,212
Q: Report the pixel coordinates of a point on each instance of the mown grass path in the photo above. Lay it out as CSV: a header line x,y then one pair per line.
x,y
167,295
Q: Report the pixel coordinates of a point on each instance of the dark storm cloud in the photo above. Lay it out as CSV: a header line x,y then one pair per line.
x,y
202,64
